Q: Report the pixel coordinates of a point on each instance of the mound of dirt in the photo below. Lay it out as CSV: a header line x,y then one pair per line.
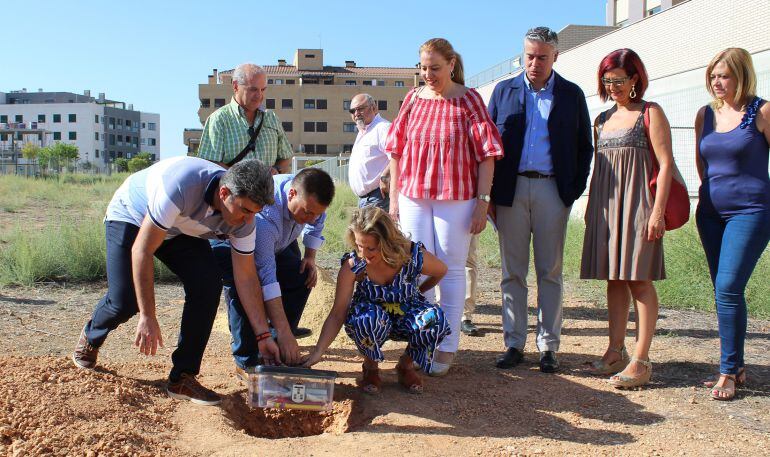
x,y
49,407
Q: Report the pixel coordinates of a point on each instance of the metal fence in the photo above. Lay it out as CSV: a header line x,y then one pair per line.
x,y
337,166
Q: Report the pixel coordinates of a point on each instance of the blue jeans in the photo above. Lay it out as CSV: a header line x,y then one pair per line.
x,y
374,198
733,245
191,260
294,295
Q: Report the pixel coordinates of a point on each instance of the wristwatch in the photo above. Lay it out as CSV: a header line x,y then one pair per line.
x,y
484,197
384,178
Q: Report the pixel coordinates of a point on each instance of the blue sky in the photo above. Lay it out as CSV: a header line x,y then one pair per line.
x,y
154,54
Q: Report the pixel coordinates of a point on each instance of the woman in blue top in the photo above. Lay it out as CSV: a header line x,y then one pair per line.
x,y
733,215
387,302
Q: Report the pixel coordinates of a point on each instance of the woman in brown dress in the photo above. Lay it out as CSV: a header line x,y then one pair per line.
x,y
624,223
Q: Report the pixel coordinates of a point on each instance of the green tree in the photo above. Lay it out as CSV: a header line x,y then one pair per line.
x,y
121,164
139,162
30,151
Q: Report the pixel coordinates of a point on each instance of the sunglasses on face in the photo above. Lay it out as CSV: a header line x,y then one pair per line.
x,y
358,108
615,82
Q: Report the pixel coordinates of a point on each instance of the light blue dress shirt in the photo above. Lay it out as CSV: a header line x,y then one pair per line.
x,y
276,230
536,154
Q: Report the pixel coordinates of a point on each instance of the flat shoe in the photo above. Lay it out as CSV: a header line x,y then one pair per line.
x,y
740,379
727,393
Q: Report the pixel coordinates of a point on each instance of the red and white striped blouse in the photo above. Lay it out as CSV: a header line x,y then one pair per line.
x,y
440,143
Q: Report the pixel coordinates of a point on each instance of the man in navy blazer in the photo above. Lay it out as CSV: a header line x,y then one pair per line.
x,y
543,120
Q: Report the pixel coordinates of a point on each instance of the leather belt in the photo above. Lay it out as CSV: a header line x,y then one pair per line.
x,y
534,175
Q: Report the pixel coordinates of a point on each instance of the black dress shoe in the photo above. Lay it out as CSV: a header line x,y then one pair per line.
x,y
510,359
469,328
300,332
548,362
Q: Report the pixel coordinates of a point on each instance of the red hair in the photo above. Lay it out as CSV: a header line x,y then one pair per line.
x,y
629,61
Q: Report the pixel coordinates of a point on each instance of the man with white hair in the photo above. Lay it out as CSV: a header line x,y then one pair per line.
x,y
368,170
244,129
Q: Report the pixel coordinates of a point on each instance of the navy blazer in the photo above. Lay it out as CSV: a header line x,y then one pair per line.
x,y
569,130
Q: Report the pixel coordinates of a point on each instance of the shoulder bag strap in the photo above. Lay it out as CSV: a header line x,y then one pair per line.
x,y
251,145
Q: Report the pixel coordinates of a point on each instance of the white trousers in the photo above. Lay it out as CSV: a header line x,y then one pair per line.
x,y
443,226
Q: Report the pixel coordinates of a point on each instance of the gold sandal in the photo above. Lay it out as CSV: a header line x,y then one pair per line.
x,y
621,381
740,379
600,367
724,393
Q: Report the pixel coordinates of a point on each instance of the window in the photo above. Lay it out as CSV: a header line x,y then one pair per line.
x,y
290,81
350,83
112,140
144,141
19,118
120,140
3,137
320,149
144,126
399,84
128,124
310,148
367,82
96,153
205,103
348,127
57,136
270,81
310,56
328,82
96,136
278,82
120,124
382,105
41,117
96,118
3,119
150,126
345,105
309,103
287,126
270,103
219,102
320,103
310,126
56,118
347,148
320,126
287,103
72,118
380,82
112,122
621,11
152,141
73,135
652,7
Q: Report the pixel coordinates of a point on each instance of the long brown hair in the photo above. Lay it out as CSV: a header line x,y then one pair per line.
x,y
443,47
394,246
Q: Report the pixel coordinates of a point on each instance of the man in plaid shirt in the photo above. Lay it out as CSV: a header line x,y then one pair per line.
x,y
228,130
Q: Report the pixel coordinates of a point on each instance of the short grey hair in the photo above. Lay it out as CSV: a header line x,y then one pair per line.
x,y
246,70
251,179
544,35
368,99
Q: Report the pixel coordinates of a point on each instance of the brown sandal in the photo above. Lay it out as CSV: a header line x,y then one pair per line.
x,y
724,393
407,377
371,382
740,379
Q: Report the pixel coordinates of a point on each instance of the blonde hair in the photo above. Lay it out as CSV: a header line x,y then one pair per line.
x,y
394,246
443,47
741,67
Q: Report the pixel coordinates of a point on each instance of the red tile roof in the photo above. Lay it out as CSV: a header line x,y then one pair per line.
x,y
291,70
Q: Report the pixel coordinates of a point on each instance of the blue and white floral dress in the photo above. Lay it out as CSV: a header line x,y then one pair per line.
x,y
396,311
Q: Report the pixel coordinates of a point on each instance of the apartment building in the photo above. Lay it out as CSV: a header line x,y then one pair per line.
x,y
102,129
621,13
312,99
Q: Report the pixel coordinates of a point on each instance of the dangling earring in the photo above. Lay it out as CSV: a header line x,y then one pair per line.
x,y
452,74
633,92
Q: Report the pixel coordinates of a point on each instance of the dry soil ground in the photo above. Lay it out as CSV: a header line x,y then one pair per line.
x,y
49,407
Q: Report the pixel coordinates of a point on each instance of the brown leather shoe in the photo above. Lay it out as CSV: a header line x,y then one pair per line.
x,y
85,354
188,388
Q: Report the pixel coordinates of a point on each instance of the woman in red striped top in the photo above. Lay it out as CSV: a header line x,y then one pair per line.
x,y
442,147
